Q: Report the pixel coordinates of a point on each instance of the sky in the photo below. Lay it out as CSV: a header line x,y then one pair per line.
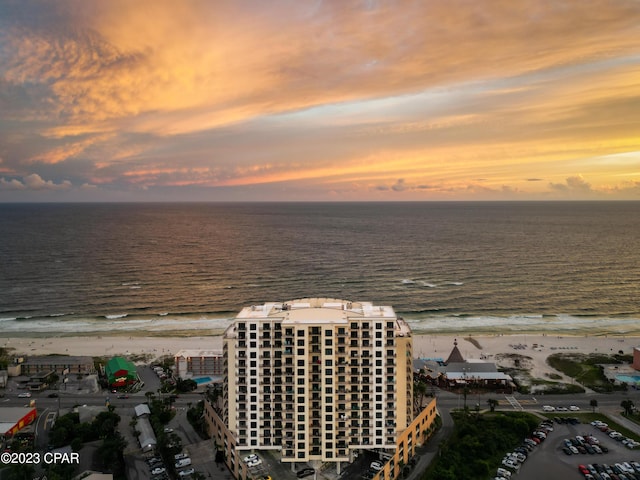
x,y
310,100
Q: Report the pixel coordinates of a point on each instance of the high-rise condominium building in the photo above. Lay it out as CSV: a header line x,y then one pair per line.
x,y
317,378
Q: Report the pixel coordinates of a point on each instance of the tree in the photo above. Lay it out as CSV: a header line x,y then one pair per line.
x,y
419,391
628,407
594,404
493,403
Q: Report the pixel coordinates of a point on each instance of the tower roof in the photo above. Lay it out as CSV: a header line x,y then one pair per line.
x,y
455,356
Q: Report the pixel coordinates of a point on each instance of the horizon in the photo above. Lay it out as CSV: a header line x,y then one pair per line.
x,y
350,101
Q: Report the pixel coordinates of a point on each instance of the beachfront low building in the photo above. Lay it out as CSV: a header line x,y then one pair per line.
x,y
199,363
456,372
636,358
120,372
317,380
59,364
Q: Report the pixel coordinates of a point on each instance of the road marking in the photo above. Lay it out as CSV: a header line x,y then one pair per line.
x,y
514,403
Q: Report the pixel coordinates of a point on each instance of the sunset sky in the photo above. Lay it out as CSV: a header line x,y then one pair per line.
x,y
319,100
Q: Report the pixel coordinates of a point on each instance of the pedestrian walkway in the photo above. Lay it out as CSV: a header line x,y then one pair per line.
x,y
428,452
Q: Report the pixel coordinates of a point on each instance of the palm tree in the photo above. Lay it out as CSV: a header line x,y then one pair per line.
x,y
420,391
594,404
628,407
493,403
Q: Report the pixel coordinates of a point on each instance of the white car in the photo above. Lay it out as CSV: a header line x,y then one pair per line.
x,y
574,408
183,462
24,395
158,471
250,458
254,463
548,408
188,471
503,473
180,456
377,466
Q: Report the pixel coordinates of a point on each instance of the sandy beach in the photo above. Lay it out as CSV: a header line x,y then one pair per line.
x,y
497,348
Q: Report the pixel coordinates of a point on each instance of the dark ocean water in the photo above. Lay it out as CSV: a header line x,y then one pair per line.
x,y
443,266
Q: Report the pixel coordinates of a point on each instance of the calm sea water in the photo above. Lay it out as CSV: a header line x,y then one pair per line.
x,y
158,268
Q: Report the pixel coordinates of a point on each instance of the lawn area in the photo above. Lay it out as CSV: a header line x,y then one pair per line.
x,y
586,369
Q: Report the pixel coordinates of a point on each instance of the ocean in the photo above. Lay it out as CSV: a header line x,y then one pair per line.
x,y
182,269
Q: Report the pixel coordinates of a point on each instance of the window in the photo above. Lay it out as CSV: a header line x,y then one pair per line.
x,y
301,333
328,333
253,326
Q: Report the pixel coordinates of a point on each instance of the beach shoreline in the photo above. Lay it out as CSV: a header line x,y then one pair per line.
x,y
498,348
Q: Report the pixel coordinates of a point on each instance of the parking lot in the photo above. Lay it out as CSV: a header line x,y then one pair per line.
x,y
549,458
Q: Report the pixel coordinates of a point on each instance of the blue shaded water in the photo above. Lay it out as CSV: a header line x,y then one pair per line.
x,y
157,268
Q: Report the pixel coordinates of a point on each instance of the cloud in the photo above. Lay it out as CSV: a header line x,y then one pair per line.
x,y
415,97
33,182
399,186
574,183
12,184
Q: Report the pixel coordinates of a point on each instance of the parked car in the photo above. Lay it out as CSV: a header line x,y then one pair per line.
x,y
375,466
158,470
305,472
180,456
501,472
250,458
123,397
168,429
254,463
24,395
574,408
183,462
188,471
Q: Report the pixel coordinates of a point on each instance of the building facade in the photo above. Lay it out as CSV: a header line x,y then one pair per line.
x,y
60,364
199,363
317,379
